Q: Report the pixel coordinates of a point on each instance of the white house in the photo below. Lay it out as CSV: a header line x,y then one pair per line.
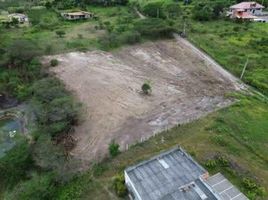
x,y
76,15
246,10
22,18
175,175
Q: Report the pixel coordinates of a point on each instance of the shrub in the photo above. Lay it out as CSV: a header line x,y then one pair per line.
x,y
54,62
202,12
211,164
172,9
98,169
253,188
55,109
22,52
119,185
41,187
114,148
60,33
146,88
154,28
14,165
153,9
131,37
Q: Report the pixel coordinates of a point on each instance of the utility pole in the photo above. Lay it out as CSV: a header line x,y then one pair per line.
x,y
244,69
184,28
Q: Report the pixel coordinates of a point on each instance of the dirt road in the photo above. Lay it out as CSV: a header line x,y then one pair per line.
x,y
186,85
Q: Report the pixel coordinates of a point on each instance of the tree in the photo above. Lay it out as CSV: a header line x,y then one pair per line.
x,y
39,187
146,88
21,52
15,164
60,33
114,148
172,9
203,11
55,109
154,9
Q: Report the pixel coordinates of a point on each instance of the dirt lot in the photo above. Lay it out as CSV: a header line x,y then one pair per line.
x,y
186,85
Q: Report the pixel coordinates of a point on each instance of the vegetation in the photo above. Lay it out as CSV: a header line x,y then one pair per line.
x,y
234,159
114,148
146,88
231,44
14,166
60,33
232,140
54,62
119,185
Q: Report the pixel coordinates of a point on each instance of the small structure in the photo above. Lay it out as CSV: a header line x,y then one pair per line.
x,y
22,18
175,175
246,10
77,15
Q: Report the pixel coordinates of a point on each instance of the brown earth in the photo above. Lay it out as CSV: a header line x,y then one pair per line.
x,y
186,85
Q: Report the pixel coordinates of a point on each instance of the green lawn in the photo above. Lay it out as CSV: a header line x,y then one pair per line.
x,y
237,135
231,43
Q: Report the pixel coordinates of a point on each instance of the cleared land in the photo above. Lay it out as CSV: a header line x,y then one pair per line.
x,y
186,85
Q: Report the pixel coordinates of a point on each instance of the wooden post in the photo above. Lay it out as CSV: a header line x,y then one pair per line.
x,y
244,69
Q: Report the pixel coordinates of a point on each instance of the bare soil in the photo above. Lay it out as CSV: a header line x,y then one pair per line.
x,y
186,85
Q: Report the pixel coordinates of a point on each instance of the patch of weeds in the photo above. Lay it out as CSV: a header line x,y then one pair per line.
x,y
119,185
253,189
219,139
98,169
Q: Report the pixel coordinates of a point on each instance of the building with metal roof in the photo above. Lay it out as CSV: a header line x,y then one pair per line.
x,y
174,175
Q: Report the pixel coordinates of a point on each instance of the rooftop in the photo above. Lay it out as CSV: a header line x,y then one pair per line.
x,y
224,188
247,5
77,13
175,175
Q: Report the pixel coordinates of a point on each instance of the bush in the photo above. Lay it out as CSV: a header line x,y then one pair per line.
x,y
22,52
54,62
15,164
39,187
146,88
154,9
202,12
130,37
172,9
114,149
55,109
99,169
252,188
119,185
60,33
154,28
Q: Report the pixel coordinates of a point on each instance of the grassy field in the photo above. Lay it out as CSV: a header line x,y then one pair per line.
x,y
236,136
79,35
232,43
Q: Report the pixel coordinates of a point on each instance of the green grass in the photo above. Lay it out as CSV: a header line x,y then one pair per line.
x,y
80,35
231,43
242,129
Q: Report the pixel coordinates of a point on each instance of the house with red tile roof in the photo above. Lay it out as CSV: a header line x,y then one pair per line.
x,y
246,10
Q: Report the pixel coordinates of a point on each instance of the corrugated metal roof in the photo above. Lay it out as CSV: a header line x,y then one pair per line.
x,y
225,189
155,180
